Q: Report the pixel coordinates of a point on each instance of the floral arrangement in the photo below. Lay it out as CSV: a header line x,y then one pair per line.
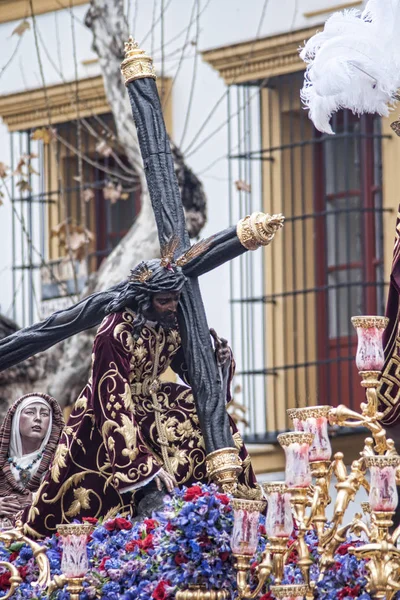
x,y
186,543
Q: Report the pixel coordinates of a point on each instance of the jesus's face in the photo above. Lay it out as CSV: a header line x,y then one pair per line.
x,y
164,308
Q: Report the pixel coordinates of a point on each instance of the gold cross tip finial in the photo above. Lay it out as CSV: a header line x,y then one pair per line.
x,y
130,47
136,64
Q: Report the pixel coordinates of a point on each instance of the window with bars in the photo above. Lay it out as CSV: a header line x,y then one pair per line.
x,y
349,246
324,267
81,199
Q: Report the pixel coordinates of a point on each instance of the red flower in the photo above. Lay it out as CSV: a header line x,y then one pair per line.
x,y
147,543
160,592
180,558
13,556
193,493
348,592
151,524
130,546
118,524
204,540
224,556
223,498
267,596
5,580
91,520
261,530
343,549
23,571
293,556
103,563
169,527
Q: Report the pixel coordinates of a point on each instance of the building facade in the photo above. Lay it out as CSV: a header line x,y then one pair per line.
x,y
237,116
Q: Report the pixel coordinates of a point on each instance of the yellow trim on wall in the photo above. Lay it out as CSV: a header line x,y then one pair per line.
x,y
258,59
12,10
28,110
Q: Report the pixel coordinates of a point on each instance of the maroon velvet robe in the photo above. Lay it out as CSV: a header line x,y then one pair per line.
x,y
111,443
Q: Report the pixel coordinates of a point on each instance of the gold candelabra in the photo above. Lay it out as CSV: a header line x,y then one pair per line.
x,y
305,494
303,497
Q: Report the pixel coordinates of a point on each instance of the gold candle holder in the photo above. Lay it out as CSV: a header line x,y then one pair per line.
x,y
75,587
74,562
223,467
200,592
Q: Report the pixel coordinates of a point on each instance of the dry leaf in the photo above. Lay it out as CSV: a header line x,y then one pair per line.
x,y
112,192
1,198
3,170
74,238
23,185
242,186
46,134
87,195
103,148
21,28
19,167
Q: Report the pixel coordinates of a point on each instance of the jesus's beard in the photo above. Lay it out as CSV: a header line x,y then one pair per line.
x,y
167,322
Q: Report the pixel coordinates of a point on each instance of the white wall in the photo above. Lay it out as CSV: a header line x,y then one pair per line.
x,y
221,22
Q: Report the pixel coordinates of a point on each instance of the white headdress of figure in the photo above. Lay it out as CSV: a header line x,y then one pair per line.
x,y
16,452
353,63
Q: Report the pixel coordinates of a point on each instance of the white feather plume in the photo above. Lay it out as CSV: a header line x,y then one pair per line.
x,y
353,63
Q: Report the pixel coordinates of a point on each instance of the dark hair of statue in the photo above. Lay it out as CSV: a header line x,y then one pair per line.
x,y
138,292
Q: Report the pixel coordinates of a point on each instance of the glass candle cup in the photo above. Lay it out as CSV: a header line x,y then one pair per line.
x,y
279,521
74,562
314,419
296,446
370,330
383,495
246,516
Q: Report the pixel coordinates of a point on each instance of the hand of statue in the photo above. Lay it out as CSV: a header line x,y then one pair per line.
x,y
9,506
165,478
222,350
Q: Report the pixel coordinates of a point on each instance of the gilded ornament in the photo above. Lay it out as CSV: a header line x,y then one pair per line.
x,y
285,591
141,273
306,412
75,529
295,437
223,466
75,587
136,65
366,322
365,507
200,592
382,461
370,379
272,487
248,493
258,229
248,505
39,555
